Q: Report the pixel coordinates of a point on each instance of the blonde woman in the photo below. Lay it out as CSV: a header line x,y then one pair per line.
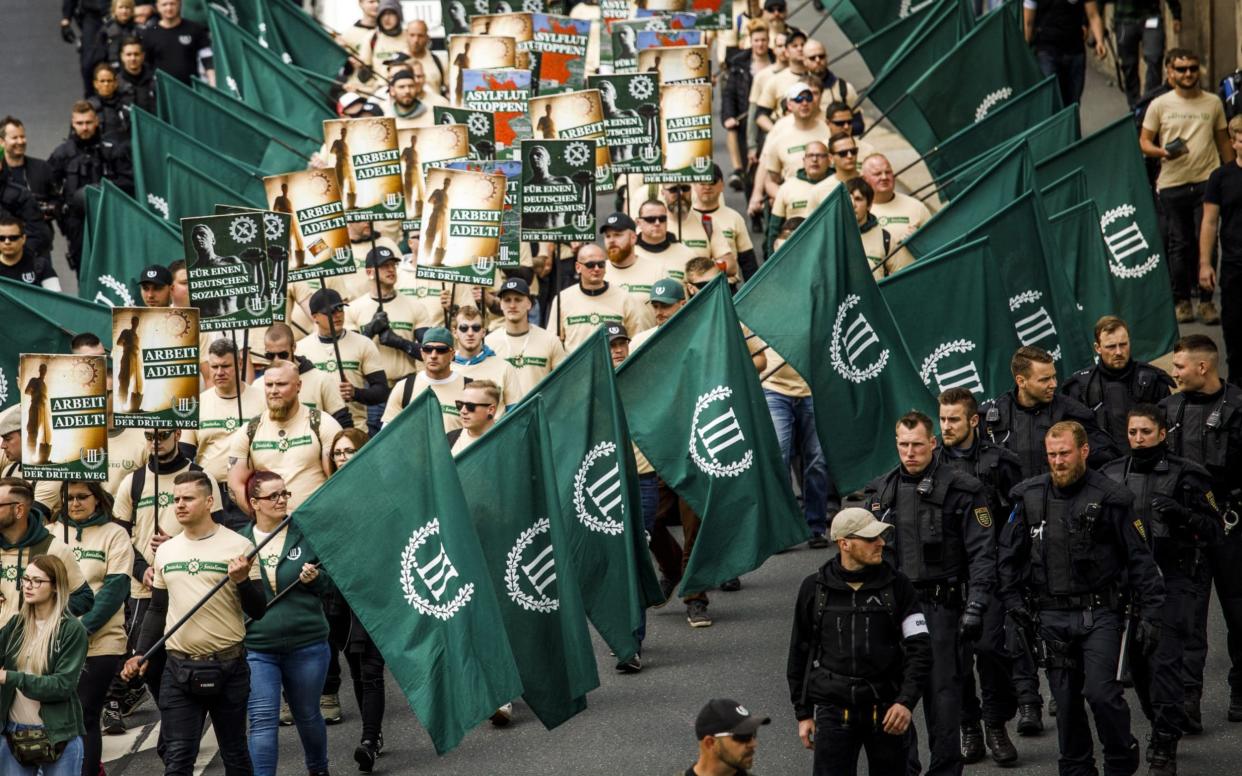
x,y
44,649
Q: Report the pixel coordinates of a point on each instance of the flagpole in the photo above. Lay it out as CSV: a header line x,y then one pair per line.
x,y
883,115
379,294
934,150
288,589
237,378
336,345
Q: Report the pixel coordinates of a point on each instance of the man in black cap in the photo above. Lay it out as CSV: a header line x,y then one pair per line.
x,y
404,105
353,358
727,732
394,322
532,351
156,284
618,343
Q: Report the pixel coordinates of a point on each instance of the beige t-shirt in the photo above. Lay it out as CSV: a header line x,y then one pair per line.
x,y
103,550
431,72
732,226
785,380
217,419
639,277
797,197
447,392
672,258
13,563
359,357
404,317
532,355
289,449
1195,121
580,314
126,451
464,440
786,143
901,216
188,569
427,294
774,89
873,246
500,372
692,234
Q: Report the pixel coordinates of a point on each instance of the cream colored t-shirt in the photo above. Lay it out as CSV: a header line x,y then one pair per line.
x,y
427,293
217,419
672,258
405,316
901,216
774,89
785,380
873,247
188,569
289,449
1195,121
732,226
126,451
447,392
532,355
691,233
786,144
12,567
500,372
103,550
431,73
581,314
798,198
464,440
359,357
638,278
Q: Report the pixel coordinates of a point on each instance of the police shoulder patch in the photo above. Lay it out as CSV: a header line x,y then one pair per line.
x,y
1138,526
1211,499
984,517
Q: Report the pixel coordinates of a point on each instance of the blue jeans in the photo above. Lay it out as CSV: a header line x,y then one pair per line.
x,y
301,673
68,764
794,419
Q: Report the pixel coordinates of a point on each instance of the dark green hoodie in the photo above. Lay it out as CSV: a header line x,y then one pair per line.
x,y
57,690
297,619
36,541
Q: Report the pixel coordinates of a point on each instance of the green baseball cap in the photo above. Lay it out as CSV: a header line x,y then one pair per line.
x,y
438,335
667,291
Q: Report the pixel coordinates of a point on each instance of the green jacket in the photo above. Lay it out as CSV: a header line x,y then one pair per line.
x,y
57,690
297,619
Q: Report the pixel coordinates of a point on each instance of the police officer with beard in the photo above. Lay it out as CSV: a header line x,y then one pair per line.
x,y
1072,552
1117,382
963,449
942,540
1205,425
1174,497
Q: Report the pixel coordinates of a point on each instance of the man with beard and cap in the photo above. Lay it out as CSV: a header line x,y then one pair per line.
x,y
1073,552
1174,496
403,103
727,734
900,213
351,358
1117,382
628,268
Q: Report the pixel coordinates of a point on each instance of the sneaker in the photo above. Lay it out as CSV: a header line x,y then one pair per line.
x,y
731,585
631,666
1185,312
736,182
817,541
365,755
667,588
133,698
112,720
1208,314
503,716
330,708
286,716
696,614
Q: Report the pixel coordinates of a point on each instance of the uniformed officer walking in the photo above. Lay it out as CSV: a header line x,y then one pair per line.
x,y
1116,382
1205,425
1074,549
859,654
1174,497
943,541
997,469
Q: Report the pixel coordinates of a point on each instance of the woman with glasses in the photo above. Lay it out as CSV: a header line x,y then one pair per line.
x,y
289,647
44,651
106,559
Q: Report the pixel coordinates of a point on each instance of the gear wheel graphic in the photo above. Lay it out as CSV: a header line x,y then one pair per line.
x,y
577,154
477,123
273,229
243,229
641,88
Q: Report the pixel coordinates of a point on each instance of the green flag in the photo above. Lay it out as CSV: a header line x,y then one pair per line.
x,y
193,193
1064,193
970,345
698,413
1000,126
1043,140
1117,183
860,18
279,130
154,142
877,48
599,488
231,135
125,237
307,44
936,35
1084,259
254,18
92,194
525,543
1005,179
416,577
263,81
40,321
829,321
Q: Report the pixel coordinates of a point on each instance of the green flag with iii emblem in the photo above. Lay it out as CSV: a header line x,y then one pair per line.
x,y
124,238
1044,139
416,577
598,484
878,47
1117,183
829,321
526,544
696,410
1084,259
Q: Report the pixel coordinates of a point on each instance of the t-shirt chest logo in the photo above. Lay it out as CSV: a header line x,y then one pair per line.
x,y
80,554
194,567
185,40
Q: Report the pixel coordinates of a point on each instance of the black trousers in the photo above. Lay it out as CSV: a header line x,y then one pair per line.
x,y
991,659
1158,679
842,732
1183,207
182,714
1083,648
1229,278
1135,37
366,669
135,612
942,695
93,685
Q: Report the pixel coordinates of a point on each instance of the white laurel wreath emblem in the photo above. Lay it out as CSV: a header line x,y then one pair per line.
x,y
476,124
243,229
607,525
122,292
159,204
941,351
641,88
543,604
420,604
989,102
577,154
1026,297
532,6
4,387
232,84
908,7
713,467
849,372
1115,265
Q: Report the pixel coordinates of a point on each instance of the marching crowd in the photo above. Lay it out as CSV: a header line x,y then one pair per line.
x,y
1076,528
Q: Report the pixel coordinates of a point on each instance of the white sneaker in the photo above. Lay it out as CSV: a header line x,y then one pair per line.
x,y
503,716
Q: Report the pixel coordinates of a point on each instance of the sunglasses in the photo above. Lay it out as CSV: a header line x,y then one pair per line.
x,y
11,237
741,738
1185,69
847,152
680,189
470,406
435,348
803,98
465,327
163,435
814,156
592,264
842,123
653,219
277,355
816,56
277,496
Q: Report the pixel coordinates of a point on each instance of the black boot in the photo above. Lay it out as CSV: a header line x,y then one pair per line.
x,y
972,743
1194,720
1235,709
1162,755
1004,753
365,755
1052,707
1030,719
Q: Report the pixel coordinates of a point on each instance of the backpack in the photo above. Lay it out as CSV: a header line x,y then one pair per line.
x,y
1230,92
252,428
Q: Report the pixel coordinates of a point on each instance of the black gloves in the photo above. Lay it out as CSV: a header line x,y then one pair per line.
x,y
378,325
393,340
970,627
1147,634
1168,509
67,34
1023,618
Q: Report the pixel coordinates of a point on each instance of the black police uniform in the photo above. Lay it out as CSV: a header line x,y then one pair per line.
x,y
18,200
1112,393
77,163
137,89
1022,429
1207,429
89,15
1173,496
859,645
998,470
942,540
1070,551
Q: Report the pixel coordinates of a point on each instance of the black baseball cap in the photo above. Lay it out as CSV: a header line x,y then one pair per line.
x,y
616,332
774,5
157,274
617,222
325,301
514,286
403,74
723,716
380,255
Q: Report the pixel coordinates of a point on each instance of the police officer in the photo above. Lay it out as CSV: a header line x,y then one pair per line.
x,y
943,543
1073,542
997,469
1116,382
1174,497
1019,418
1205,425
859,654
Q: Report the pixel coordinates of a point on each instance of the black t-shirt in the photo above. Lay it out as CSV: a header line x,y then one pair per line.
x,y
1058,25
31,269
177,50
1224,188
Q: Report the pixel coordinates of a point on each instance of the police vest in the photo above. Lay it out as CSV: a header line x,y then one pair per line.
x,y
925,547
1200,432
1112,400
1022,432
1069,549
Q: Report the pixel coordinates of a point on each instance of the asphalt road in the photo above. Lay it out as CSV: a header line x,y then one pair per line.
x,y
634,724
